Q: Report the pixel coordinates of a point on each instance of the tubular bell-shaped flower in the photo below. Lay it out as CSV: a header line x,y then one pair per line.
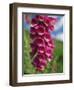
x,y
42,43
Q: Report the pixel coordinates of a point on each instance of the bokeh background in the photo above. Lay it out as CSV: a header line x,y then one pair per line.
x,y
56,65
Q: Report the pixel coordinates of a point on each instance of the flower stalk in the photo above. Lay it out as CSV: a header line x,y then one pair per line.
x,y
42,44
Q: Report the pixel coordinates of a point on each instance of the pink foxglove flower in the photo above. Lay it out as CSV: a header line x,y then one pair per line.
x,y
42,43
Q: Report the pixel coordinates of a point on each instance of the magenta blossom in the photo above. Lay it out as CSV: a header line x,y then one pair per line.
x,y
42,43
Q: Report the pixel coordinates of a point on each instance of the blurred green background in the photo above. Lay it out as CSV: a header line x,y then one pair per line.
x,y
55,66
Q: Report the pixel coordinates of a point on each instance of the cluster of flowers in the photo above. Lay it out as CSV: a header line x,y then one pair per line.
x,y
42,43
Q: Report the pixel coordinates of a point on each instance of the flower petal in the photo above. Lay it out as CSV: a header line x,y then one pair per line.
x,y
39,42
40,31
41,49
34,21
40,68
47,37
32,31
